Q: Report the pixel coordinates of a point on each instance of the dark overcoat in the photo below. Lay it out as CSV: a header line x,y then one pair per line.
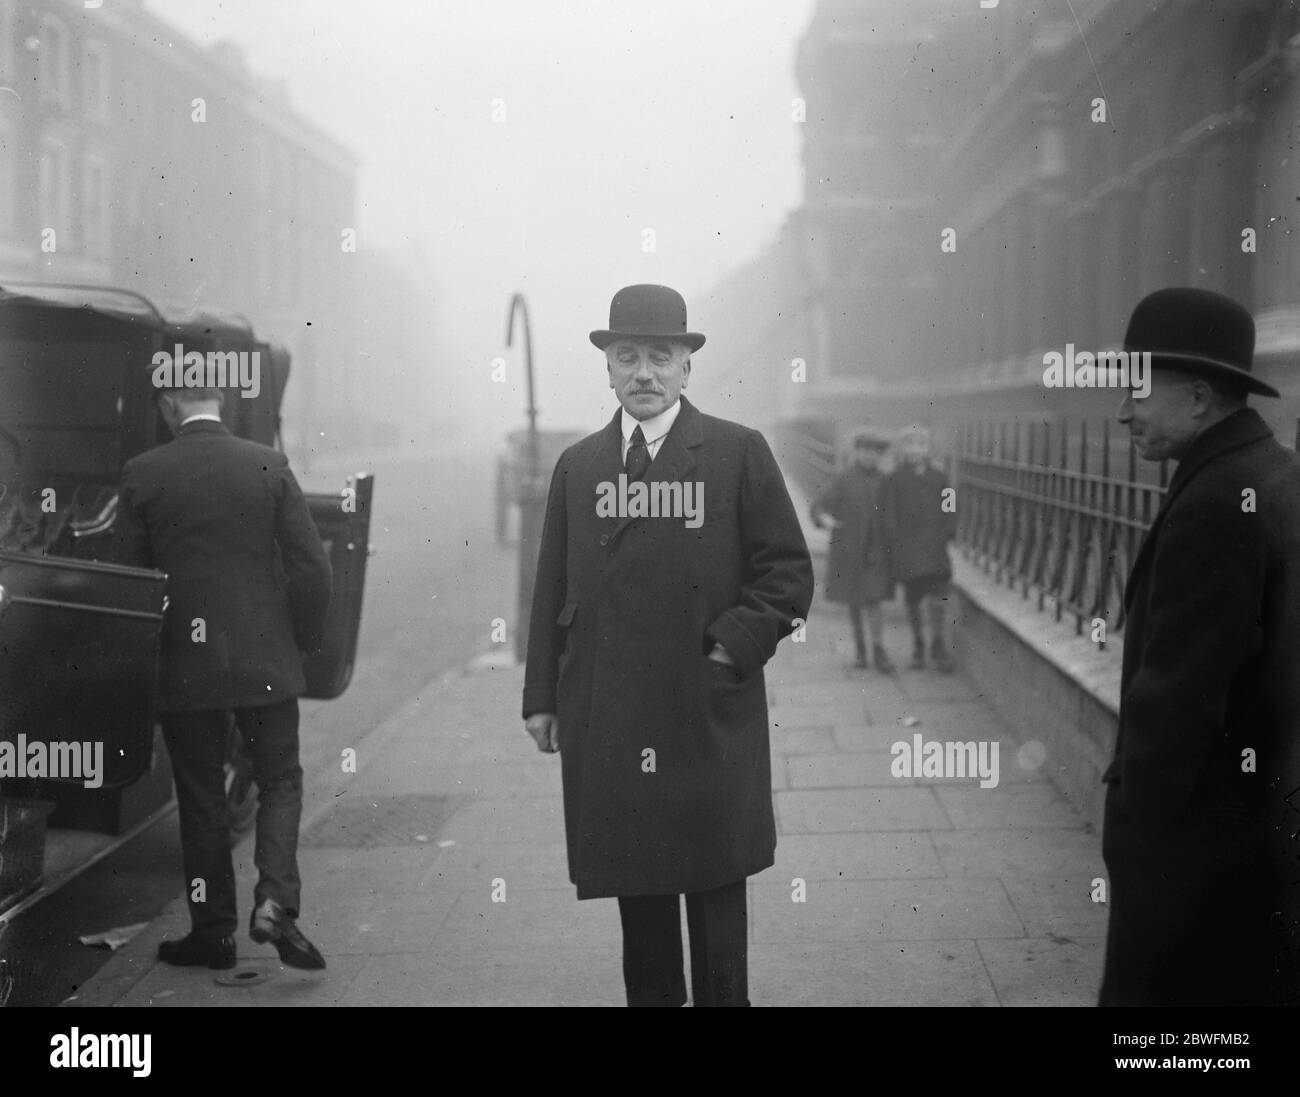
x,y
917,525
225,519
624,613
1200,836
857,568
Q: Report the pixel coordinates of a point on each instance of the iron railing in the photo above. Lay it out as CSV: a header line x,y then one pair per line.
x,y
810,460
1045,508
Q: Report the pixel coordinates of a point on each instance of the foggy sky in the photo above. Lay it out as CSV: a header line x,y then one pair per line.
x,y
619,116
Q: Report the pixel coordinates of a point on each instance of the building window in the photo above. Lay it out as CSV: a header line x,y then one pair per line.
x,y
53,67
95,81
55,192
95,209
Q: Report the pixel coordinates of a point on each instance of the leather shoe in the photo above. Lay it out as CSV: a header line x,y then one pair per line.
x,y
217,953
271,924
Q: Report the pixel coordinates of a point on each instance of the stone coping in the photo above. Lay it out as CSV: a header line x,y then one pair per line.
x,y
1095,669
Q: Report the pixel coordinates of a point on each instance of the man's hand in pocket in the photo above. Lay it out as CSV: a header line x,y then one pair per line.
x,y
544,727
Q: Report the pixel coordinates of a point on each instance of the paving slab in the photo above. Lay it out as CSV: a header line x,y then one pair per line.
x,y
902,910
838,770
823,811
461,974
1017,851
871,856
804,741
274,985
1041,971
1013,806
877,973
1053,905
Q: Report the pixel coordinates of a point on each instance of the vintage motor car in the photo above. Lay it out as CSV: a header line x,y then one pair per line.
x,y
79,634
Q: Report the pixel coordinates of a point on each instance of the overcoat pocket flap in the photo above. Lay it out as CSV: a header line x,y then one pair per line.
x,y
565,619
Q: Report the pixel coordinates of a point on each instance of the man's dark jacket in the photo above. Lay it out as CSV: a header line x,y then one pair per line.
x,y
1201,820
624,614
227,522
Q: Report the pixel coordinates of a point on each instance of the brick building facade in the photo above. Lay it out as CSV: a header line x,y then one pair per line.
x,y
133,157
928,116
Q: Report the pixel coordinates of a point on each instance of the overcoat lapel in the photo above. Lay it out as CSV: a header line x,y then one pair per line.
x,y
607,462
1237,430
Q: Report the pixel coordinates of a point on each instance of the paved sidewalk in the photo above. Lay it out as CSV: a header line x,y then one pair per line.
x,y
915,891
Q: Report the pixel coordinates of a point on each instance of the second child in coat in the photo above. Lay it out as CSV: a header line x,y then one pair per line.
x,y
921,522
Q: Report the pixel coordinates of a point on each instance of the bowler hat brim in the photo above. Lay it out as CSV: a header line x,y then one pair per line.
x,y
602,337
1211,367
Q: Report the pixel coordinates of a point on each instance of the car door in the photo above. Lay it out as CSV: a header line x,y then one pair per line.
x,y
343,519
79,663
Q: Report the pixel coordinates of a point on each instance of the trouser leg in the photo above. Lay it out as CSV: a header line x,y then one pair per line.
x,y
271,733
912,597
196,743
652,950
719,946
937,605
876,622
859,640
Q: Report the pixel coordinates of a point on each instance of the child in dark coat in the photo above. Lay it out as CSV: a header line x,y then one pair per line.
x,y
921,518
858,569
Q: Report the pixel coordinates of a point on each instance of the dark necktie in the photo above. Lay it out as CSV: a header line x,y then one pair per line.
x,y
638,456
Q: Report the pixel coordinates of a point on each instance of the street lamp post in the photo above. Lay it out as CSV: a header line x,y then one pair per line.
x,y
531,494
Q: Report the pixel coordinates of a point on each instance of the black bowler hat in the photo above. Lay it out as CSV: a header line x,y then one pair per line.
x,y
1196,331
647,312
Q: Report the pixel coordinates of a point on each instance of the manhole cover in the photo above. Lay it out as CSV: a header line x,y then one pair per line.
x,y
242,977
389,821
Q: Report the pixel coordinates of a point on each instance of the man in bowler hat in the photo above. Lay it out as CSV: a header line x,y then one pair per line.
x,y
646,649
248,584
1202,800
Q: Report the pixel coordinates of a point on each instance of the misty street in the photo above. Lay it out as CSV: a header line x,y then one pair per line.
x,y
647,503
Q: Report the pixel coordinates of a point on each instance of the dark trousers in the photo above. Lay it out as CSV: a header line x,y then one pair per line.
x,y
652,948
915,591
196,742
859,638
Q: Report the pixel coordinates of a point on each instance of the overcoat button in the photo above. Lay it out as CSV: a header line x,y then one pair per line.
x,y
604,538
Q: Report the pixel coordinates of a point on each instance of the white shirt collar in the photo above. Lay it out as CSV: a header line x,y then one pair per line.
x,y
199,415
653,428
